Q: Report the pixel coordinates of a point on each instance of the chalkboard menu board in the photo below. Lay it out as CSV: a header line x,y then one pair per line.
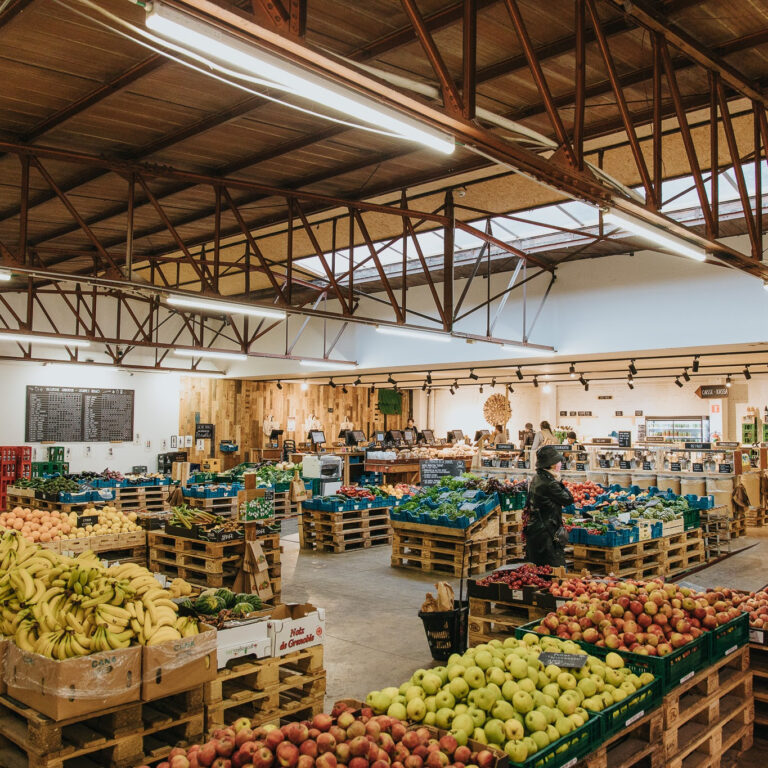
x,y
79,415
204,431
434,470
625,439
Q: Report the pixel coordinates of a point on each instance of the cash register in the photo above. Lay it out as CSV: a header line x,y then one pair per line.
x,y
427,436
355,437
394,437
455,435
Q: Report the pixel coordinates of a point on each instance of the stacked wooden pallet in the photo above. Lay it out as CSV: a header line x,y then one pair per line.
x,y
226,506
711,715
209,563
117,737
716,529
738,524
757,517
452,551
153,498
14,500
497,619
344,531
683,551
640,560
511,529
758,663
639,745
268,691
112,547
285,508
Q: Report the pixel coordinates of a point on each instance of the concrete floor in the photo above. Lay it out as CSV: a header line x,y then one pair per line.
x,y
374,637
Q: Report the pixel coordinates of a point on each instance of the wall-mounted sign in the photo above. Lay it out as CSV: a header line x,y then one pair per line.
x,y
563,413
706,391
625,438
571,413
204,431
618,413
605,397
698,446
638,413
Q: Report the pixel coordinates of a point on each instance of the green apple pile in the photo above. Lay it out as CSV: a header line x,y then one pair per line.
x,y
502,695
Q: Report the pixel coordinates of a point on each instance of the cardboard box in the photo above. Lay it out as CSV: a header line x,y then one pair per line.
x,y
79,686
178,665
295,626
246,638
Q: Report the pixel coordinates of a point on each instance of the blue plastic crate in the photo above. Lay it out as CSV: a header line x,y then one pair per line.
x,y
102,494
74,498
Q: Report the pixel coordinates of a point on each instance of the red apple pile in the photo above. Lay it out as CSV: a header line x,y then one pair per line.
x,y
584,492
329,741
576,587
527,575
651,618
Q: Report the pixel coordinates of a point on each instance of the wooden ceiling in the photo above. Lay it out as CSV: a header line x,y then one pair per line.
x,y
72,84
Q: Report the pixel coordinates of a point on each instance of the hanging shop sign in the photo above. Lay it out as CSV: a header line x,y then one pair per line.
x,y
709,391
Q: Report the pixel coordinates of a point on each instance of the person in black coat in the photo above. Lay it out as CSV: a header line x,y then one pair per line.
x,y
544,534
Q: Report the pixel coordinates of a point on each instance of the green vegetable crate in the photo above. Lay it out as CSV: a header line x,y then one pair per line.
x,y
568,749
728,638
622,714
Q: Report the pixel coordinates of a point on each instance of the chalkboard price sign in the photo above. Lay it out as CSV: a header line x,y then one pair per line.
x,y
623,464
434,470
521,465
79,415
646,466
504,462
725,469
564,660
204,431
674,466
625,438
603,463
580,466
698,467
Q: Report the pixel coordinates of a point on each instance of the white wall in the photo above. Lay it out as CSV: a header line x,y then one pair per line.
x,y
156,412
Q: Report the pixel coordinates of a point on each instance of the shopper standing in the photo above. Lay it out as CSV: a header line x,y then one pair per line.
x,y
544,437
545,537
527,436
572,440
500,435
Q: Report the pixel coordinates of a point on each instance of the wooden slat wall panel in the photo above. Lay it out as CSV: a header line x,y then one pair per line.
x,y
239,409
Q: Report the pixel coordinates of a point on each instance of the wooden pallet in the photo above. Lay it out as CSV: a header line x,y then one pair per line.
x,y
710,714
262,689
497,619
426,555
221,505
285,508
684,551
758,664
738,527
51,506
638,746
757,517
118,737
162,540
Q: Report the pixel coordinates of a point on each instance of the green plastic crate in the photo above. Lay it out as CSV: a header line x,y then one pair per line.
x,y
569,749
621,715
691,519
728,638
55,453
672,669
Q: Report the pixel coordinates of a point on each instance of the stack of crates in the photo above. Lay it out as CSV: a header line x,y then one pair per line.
x,y
23,462
7,470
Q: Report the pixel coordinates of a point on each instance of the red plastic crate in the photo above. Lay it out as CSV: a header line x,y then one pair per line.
x,y
24,469
8,470
7,453
23,453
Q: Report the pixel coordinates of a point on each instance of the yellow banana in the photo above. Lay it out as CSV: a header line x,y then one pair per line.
x,y
115,610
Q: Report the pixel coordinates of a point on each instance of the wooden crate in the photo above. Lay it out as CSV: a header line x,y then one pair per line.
x,y
266,690
226,506
286,509
344,531
638,746
710,714
497,619
118,737
152,498
738,525
716,531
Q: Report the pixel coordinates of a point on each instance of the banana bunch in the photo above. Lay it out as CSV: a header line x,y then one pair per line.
x,y
64,607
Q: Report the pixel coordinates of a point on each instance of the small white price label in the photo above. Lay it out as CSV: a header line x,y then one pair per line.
x,y
687,677
756,636
517,594
730,650
634,718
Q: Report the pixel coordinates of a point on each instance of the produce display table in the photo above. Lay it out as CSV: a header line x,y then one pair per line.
x,y
640,744
404,472
15,500
342,531
267,691
454,551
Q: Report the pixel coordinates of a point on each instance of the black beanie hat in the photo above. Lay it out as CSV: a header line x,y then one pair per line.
x,y
547,456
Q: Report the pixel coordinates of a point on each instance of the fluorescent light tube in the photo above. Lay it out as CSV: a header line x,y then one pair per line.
x,y
202,374
328,365
224,307
53,341
208,41
656,235
5,276
391,330
210,353
524,350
